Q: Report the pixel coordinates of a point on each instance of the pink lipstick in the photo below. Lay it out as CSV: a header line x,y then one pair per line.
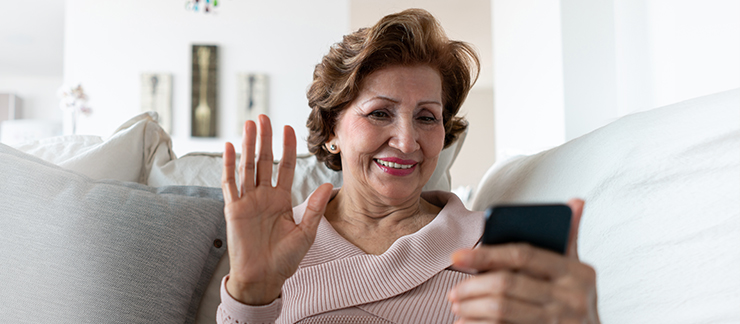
x,y
396,166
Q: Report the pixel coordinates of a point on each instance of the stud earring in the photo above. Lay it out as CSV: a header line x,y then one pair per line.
x,y
332,148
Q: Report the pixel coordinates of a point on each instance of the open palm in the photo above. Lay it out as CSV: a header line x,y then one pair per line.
x,y
265,244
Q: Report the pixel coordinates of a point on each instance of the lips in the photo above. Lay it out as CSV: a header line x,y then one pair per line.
x,y
395,166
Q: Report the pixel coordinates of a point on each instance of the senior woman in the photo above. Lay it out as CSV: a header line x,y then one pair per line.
x,y
378,249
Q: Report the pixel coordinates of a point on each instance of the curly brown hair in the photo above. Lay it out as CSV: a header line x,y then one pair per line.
x,y
408,38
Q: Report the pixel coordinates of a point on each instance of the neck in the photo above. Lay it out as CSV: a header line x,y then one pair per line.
x,y
374,225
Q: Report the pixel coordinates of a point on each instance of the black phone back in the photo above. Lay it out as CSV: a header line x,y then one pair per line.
x,y
543,226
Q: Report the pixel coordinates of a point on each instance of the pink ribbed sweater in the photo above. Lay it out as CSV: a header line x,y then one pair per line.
x,y
338,283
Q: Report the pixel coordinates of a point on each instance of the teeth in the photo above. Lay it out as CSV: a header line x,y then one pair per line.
x,y
394,165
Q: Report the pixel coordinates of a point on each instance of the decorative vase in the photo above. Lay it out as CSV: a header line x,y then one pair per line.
x,y
69,123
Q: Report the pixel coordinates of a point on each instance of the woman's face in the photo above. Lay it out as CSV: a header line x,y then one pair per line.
x,y
391,135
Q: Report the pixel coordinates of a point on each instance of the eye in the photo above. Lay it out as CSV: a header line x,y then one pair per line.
x,y
427,117
378,114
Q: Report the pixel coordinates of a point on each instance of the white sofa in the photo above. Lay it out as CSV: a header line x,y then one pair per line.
x,y
661,224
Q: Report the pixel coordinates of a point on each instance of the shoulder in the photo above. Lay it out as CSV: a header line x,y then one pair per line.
x,y
454,221
449,202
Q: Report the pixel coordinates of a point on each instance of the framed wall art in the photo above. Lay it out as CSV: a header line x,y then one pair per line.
x,y
204,90
252,97
156,95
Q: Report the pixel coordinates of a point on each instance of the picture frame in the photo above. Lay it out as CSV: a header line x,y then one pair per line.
x,y
156,95
252,97
204,91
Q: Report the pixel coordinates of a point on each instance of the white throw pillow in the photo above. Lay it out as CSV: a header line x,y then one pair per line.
x,y
661,223
127,155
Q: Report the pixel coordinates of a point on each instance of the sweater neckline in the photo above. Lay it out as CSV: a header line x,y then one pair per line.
x,y
337,274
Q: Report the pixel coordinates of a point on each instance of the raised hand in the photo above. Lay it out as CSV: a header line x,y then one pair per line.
x,y
522,284
265,244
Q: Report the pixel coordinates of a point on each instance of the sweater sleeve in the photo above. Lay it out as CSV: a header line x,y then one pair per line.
x,y
231,311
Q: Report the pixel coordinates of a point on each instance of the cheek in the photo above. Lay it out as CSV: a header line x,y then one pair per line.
x,y
359,137
434,142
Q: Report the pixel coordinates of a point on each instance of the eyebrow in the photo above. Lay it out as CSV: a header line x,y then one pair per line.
x,y
397,101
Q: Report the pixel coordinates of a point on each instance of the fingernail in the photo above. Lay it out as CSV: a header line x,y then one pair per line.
x,y
455,308
452,295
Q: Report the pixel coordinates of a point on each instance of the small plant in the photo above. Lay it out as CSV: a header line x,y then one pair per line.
x,y
74,99
73,103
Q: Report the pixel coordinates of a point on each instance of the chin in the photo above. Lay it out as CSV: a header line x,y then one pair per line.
x,y
401,192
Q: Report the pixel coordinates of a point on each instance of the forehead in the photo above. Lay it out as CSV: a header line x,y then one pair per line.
x,y
402,82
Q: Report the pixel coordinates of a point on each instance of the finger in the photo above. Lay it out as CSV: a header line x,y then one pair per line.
x,y
286,168
576,205
498,310
228,181
570,320
503,283
264,160
573,301
472,321
536,262
246,162
315,208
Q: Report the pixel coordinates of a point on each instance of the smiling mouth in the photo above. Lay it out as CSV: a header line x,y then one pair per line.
x,y
394,165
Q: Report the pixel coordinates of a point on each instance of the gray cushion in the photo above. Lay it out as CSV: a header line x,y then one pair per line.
x,y
77,250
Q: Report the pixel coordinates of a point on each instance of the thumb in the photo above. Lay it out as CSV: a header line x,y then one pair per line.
x,y
576,206
315,207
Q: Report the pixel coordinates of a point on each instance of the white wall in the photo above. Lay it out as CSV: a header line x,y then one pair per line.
x,y
37,93
633,61
625,56
564,68
663,51
527,76
31,37
694,48
31,43
589,65
109,43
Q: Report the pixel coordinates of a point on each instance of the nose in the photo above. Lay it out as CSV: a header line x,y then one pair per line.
x,y
405,136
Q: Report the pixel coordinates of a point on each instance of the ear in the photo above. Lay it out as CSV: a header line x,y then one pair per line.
x,y
332,140
576,206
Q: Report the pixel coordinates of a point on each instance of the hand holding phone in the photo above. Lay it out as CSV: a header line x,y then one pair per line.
x,y
539,276
543,226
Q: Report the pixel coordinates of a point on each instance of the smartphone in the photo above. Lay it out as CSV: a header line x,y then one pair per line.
x,y
543,226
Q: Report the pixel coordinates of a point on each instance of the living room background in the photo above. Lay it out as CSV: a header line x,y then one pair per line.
x,y
552,70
